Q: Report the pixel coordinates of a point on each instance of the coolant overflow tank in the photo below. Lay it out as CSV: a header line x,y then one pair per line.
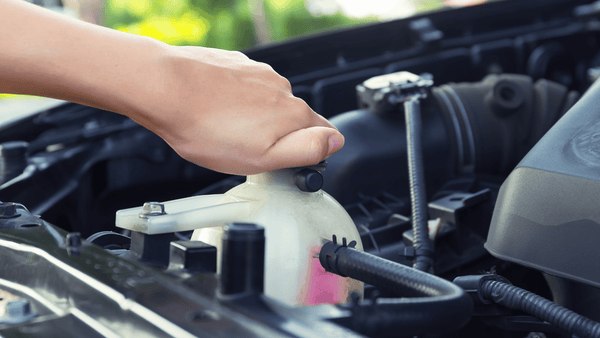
x,y
297,223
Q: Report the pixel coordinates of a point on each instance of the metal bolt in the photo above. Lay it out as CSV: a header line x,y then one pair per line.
x,y
8,210
152,209
17,311
18,308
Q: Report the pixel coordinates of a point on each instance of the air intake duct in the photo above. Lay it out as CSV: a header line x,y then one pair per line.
x,y
484,127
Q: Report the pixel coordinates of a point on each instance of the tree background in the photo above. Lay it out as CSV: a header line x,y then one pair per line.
x,y
238,24
229,24
226,24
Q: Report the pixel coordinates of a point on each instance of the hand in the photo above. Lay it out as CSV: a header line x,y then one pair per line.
x,y
216,108
225,112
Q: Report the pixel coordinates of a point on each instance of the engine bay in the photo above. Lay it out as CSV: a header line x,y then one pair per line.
x,y
461,205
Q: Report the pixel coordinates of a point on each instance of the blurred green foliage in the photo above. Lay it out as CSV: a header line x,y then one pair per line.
x,y
225,24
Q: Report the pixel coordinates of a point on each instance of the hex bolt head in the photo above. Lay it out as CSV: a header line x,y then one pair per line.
x,y
152,209
8,210
17,311
18,308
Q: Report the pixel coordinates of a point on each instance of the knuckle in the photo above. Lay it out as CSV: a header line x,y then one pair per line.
x,y
267,66
303,108
275,100
268,70
285,83
296,111
239,54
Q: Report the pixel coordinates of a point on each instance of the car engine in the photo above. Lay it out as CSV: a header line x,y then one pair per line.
x,y
462,204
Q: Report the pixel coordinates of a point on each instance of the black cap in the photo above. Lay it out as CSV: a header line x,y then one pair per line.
x,y
309,180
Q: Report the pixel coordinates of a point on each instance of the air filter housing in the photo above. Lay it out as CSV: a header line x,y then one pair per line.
x,y
547,215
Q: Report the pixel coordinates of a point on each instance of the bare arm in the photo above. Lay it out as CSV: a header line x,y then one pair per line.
x,y
216,108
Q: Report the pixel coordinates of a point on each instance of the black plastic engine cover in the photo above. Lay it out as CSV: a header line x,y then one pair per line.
x,y
547,215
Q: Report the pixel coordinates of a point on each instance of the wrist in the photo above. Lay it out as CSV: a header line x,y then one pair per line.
x,y
139,88
155,86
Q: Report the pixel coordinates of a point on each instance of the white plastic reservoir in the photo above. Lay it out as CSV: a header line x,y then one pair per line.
x,y
296,223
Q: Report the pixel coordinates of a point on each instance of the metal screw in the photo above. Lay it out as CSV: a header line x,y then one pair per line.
x,y
8,210
152,209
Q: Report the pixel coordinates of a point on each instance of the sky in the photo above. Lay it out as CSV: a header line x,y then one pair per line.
x,y
385,9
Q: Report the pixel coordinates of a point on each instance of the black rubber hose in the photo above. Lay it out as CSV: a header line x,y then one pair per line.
x,y
438,305
418,197
514,297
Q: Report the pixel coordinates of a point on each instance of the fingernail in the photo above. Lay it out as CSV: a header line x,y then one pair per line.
x,y
336,142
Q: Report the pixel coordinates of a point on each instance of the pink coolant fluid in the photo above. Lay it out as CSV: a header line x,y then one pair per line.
x,y
323,287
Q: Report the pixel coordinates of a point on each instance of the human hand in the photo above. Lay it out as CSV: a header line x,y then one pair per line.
x,y
216,108
225,112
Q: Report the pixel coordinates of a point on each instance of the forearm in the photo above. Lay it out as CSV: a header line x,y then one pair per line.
x,y
44,53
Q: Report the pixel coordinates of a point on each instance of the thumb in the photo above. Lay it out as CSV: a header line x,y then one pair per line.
x,y
304,147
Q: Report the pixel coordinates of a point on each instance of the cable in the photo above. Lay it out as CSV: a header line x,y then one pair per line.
x,y
418,196
436,305
514,297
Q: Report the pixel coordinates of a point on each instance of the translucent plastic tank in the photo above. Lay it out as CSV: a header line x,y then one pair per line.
x,y
297,224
